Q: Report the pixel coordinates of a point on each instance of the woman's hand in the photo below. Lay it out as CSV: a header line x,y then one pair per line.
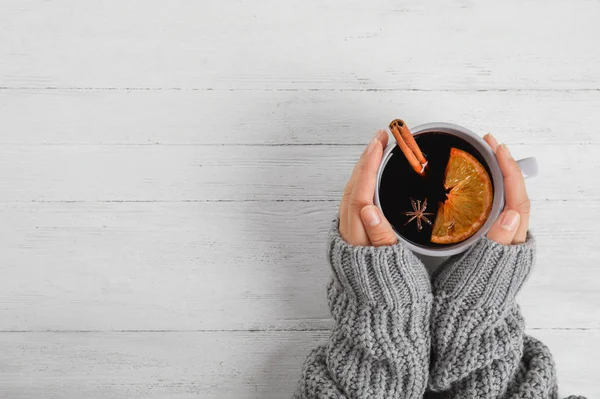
x,y
512,224
361,222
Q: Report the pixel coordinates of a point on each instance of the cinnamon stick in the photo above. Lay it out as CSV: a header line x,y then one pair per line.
x,y
408,145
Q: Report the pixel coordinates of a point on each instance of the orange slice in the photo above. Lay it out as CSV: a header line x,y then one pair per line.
x,y
469,199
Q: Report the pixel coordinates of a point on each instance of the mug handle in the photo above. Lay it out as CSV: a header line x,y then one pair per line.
x,y
529,167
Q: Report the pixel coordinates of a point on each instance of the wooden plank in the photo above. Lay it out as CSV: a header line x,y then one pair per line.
x,y
231,266
153,365
300,45
286,117
221,365
240,173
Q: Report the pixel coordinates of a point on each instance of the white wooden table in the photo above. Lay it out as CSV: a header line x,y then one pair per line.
x,y
168,171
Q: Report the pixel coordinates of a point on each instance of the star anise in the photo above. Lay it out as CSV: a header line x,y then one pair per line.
x,y
418,213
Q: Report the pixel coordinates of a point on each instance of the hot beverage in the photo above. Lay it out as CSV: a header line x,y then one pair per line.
x,y
435,191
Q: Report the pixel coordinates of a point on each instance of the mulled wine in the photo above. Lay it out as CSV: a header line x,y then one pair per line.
x,y
441,195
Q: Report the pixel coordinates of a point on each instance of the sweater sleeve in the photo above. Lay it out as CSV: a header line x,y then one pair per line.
x,y
479,348
380,300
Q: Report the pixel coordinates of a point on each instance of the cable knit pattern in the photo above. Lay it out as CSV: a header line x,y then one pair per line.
x,y
380,299
381,302
479,349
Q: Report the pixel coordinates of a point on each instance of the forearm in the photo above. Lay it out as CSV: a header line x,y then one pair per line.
x,y
479,348
476,323
379,347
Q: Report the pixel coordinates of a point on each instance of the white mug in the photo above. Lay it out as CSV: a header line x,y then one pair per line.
x,y
528,167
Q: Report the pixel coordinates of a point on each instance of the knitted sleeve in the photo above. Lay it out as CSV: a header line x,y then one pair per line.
x,y
479,348
380,300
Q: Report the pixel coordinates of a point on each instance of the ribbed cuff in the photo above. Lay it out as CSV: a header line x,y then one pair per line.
x,y
488,274
388,275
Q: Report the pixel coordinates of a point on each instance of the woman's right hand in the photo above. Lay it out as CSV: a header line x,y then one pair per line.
x,y
512,224
361,222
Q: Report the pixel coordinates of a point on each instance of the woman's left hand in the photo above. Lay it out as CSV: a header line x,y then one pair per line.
x,y
512,224
361,222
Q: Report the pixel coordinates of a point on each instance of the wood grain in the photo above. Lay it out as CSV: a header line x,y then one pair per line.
x,y
207,364
272,45
200,173
231,266
287,117
168,171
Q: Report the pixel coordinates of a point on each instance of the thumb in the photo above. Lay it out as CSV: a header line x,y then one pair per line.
x,y
379,230
504,229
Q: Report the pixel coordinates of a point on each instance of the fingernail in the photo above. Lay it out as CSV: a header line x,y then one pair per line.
x,y
381,135
510,220
492,137
372,145
371,216
505,149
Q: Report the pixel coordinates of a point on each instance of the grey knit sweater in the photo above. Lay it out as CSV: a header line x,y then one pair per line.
x,y
398,336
